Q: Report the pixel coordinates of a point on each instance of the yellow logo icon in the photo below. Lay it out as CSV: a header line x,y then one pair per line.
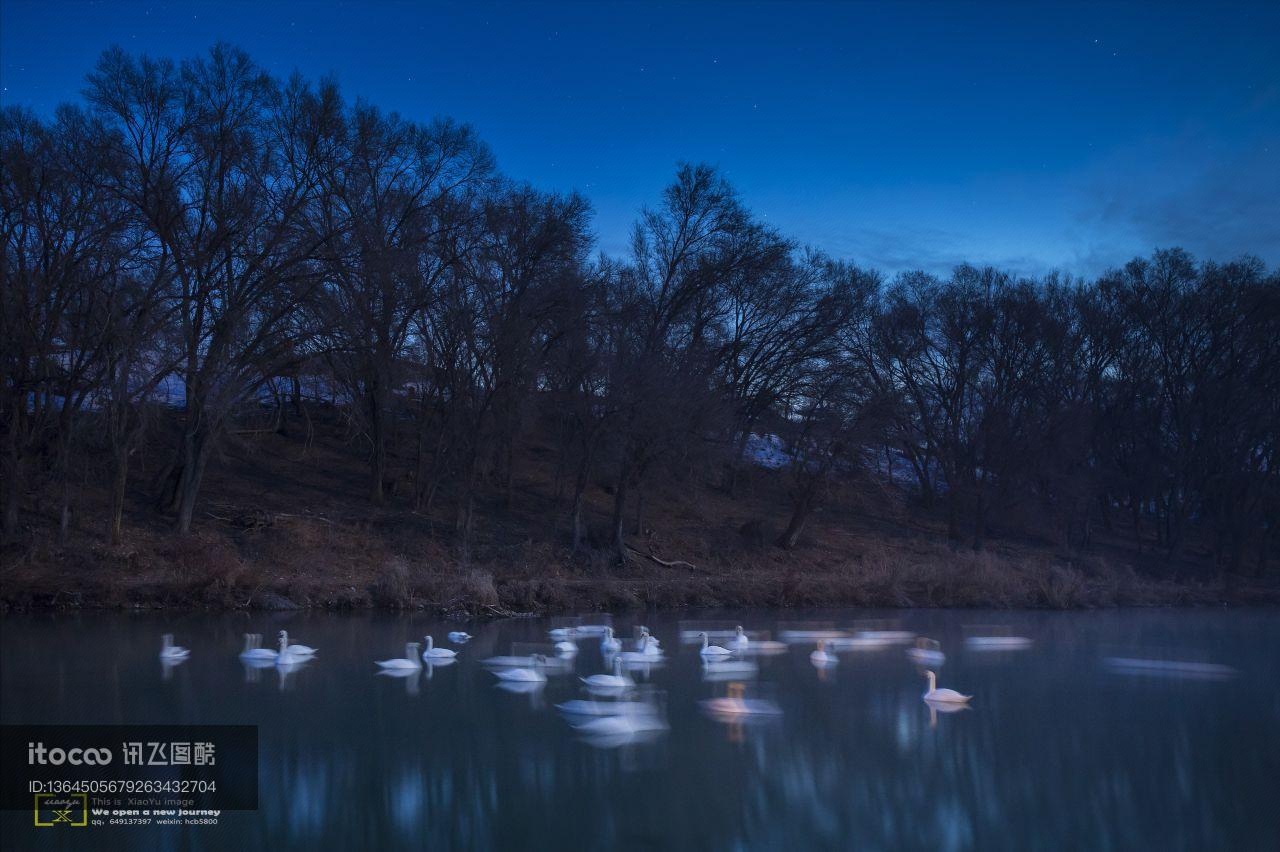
x,y
62,809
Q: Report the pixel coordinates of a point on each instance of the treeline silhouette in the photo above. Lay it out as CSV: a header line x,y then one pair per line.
x,y
202,226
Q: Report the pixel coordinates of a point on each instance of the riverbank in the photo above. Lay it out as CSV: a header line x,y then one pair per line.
x,y
309,563
284,524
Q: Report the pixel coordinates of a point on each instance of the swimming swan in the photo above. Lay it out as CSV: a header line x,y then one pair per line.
x,y
946,696
927,652
821,657
529,675
609,645
287,660
296,650
741,639
170,651
712,650
252,651
617,680
408,661
433,651
459,636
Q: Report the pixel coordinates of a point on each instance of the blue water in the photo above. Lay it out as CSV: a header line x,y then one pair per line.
x,y
1059,750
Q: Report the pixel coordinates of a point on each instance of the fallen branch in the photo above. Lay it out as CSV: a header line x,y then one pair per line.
x,y
676,563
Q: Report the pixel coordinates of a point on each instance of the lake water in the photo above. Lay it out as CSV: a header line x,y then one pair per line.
x,y
1060,748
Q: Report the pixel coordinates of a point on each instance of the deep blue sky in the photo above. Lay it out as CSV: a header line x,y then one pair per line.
x,y
897,135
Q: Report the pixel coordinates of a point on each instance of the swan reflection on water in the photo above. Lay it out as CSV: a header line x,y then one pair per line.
x,y
408,675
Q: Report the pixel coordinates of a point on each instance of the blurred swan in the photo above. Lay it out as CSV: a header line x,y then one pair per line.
x,y
566,648
997,643
741,639
891,636
617,680
558,633
766,647
623,724
578,707
252,652
609,645
927,652
509,660
522,675
459,636
408,661
433,651
170,651
821,657
709,650
296,650
648,641
734,704
647,650
713,670
943,696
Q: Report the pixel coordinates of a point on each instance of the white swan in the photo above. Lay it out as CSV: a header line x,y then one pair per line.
x,y
286,660
713,650
617,680
610,645
522,675
741,639
433,651
647,649
459,636
623,724
296,650
565,648
408,661
647,642
946,696
821,657
927,652
577,707
252,652
171,652
997,643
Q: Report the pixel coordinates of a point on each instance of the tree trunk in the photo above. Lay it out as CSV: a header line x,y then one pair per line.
x,y
980,520
619,510
377,429
195,455
12,497
639,529
13,475
953,515
804,507
579,493
119,483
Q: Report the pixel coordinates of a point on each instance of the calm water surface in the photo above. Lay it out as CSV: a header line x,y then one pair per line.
x,y
1059,750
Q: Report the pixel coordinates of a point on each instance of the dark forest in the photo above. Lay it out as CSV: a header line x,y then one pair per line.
x,y
199,257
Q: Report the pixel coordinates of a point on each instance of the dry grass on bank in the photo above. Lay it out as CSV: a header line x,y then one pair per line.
x,y
284,523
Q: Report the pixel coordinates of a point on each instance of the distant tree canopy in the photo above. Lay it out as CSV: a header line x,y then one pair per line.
x,y
203,229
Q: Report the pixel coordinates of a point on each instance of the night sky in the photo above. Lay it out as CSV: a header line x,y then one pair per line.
x,y
896,135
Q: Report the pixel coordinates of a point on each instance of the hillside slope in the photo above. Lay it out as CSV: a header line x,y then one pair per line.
x,y
283,523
